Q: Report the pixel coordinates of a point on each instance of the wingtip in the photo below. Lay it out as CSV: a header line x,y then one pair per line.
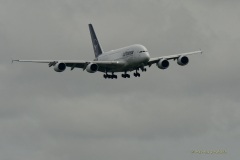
x,y
14,60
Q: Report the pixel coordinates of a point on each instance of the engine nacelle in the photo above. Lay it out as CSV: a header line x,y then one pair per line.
x,y
60,67
182,60
92,68
163,64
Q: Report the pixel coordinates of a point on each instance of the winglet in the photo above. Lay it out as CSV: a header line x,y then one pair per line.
x,y
13,60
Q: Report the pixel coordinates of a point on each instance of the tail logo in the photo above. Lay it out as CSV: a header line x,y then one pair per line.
x,y
95,45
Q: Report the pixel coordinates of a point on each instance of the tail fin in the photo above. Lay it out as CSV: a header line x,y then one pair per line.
x,y
96,45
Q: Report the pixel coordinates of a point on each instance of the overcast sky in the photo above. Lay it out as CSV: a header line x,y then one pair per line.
x,y
162,115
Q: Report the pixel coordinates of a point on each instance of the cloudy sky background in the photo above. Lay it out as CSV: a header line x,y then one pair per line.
x,y
162,115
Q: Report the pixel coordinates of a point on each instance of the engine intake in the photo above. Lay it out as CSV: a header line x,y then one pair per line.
x,y
92,68
60,67
163,64
182,60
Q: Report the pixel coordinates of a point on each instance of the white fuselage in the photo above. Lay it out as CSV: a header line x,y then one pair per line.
x,y
131,57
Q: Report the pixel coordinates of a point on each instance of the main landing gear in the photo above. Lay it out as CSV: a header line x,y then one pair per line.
x,y
136,74
113,76
125,75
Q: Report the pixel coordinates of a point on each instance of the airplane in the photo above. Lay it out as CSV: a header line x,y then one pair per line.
x,y
127,59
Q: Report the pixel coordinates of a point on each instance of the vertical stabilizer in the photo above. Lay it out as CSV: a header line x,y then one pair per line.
x,y
96,45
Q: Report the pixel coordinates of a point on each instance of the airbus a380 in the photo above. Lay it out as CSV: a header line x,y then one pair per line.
x,y
131,58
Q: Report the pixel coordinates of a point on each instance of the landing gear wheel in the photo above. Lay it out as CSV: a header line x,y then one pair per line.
x,y
125,75
136,74
113,76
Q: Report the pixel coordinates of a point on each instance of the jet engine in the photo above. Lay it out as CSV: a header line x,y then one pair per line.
x,y
60,67
163,64
92,68
182,60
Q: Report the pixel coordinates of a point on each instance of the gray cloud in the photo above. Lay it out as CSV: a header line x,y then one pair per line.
x,y
162,115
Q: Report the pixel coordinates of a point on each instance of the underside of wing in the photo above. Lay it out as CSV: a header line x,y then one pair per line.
x,y
60,65
170,57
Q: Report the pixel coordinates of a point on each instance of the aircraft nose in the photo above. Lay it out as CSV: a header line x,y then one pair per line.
x,y
147,56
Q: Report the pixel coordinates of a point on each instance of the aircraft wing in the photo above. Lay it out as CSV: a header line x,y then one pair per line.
x,y
174,57
73,63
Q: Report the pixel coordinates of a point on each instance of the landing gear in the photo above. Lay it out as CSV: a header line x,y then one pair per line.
x,y
113,76
136,74
125,75
105,76
144,69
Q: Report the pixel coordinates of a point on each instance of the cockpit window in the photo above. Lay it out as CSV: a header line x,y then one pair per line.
x,y
142,51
